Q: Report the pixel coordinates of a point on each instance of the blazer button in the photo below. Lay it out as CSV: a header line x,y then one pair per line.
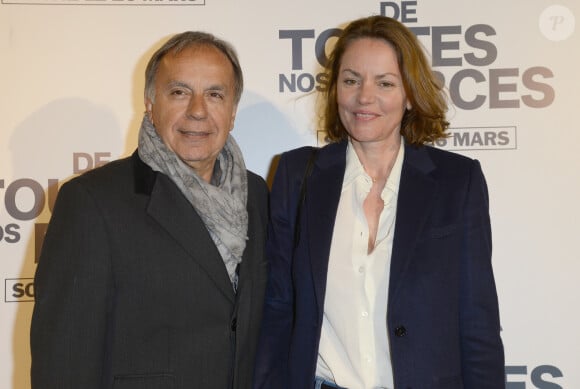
x,y
234,324
400,331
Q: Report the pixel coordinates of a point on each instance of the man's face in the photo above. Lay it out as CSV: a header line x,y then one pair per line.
x,y
194,108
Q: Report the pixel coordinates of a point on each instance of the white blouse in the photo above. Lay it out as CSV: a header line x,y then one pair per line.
x,y
354,347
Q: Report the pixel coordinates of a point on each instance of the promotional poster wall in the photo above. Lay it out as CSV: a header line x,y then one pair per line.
x,y
71,98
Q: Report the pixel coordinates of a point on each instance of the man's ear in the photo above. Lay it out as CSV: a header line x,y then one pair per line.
x,y
149,108
233,119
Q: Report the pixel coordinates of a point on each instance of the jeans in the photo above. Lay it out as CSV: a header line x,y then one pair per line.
x,y
319,381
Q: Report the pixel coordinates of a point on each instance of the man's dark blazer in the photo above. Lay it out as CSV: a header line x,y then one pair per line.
x,y
132,293
442,320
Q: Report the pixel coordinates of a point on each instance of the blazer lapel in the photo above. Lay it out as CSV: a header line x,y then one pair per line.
x,y
417,191
322,196
176,215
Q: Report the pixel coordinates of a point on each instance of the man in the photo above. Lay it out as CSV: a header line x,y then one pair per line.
x,y
152,272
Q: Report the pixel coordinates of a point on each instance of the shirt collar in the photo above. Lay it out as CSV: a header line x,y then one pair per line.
x,y
355,169
395,177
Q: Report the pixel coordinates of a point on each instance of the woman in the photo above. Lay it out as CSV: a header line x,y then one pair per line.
x,y
387,281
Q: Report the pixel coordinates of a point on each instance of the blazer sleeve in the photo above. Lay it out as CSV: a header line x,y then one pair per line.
x,y
274,344
72,286
481,345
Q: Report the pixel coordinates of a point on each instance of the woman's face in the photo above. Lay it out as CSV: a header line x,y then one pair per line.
x,y
370,93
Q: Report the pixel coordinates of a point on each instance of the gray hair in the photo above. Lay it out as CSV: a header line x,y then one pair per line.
x,y
187,39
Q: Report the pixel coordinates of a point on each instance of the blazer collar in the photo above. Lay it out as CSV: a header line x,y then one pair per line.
x,y
144,175
417,193
175,214
321,202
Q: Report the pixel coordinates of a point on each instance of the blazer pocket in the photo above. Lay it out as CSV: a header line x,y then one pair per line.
x,y
443,231
455,382
144,381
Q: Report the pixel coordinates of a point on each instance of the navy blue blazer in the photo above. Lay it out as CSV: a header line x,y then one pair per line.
x,y
442,320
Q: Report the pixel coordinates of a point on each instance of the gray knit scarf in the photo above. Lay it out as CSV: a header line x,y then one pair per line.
x,y
221,206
